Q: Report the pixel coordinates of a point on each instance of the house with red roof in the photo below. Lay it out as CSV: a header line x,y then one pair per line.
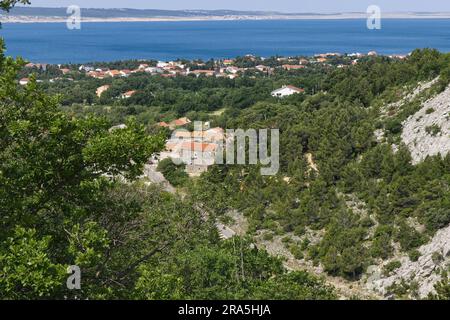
x,y
125,73
113,73
179,122
196,149
96,74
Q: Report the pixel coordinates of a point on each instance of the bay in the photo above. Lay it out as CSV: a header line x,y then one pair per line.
x,y
110,41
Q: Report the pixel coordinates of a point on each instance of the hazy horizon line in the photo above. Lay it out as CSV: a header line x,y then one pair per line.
x,y
236,10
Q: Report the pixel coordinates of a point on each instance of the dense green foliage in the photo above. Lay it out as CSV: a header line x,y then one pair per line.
x,y
337,130
8,4
175,174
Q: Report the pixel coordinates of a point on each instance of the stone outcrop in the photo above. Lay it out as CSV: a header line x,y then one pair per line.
x,y
427,132
410,96
426,271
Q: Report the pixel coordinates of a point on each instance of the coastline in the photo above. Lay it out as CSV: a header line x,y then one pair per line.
x,y
343,16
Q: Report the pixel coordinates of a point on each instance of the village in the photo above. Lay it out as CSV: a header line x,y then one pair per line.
x,y
226,68
198,149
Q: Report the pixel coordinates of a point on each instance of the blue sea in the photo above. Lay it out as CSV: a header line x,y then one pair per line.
x,y
54,43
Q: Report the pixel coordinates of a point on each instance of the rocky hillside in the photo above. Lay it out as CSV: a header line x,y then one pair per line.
x,y
427,132
416,277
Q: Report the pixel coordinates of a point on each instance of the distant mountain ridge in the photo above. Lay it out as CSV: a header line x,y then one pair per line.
x,y
144,13
43,14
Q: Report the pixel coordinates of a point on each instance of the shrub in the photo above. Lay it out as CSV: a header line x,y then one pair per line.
x,y
175,174
436,257
268,236
391,266
434,130
296,251
394,126
414,255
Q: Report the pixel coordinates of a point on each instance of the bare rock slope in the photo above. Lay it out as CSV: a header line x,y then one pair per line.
x,y
426,271
427,132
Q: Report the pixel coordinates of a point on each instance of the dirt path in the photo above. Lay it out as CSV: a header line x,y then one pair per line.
x,y
311,164
156,177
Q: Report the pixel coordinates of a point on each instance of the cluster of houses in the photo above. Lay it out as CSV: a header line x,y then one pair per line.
x,y
164,69
102,73
222,68
196,149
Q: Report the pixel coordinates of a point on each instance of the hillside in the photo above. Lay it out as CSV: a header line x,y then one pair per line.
x,y
427,132
356,209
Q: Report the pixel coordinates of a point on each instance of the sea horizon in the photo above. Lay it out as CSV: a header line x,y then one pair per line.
x,y
163,40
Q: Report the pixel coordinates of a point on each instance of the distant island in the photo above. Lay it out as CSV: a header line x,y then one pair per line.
x,y
37,14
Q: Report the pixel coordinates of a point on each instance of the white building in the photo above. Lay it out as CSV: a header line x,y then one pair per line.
x,y
233,70
24,81
286,91
85,68
162,64
153,70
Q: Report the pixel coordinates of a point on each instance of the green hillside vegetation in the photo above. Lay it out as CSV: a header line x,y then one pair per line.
x,y
337,128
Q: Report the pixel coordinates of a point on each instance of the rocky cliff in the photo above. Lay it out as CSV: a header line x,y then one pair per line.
x,y
427,132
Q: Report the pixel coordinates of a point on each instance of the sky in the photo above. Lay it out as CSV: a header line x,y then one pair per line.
x,y
297,6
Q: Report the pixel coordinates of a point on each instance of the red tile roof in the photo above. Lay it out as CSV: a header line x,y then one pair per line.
x,y
180,122
162,124
114,73
197,146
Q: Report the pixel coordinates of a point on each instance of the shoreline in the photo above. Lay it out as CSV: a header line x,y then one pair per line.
x,y
346,16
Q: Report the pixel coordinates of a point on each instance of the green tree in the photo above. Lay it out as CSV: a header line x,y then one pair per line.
x,y
53,174
8,4
27,270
